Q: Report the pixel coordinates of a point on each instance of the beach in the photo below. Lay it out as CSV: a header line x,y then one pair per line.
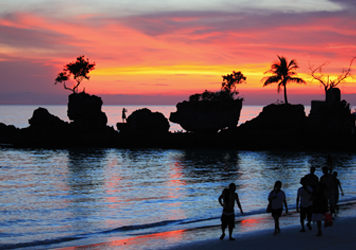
x,y
339,236
251,232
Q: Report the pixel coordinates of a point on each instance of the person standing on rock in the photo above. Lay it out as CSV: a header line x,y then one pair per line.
x,y
124,115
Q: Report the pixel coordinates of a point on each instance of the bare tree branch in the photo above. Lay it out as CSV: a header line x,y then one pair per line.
x,y
316,74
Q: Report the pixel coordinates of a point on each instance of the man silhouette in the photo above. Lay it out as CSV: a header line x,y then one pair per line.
x,y
227,201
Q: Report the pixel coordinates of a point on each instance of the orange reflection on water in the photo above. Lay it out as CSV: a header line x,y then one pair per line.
x,y
111,187
252,222
143,240
176,175
175,179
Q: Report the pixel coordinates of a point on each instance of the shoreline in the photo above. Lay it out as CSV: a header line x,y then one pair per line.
x,y
340,235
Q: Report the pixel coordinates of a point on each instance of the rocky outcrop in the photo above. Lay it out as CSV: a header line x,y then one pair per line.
x,y
47,130
332,113
85,110
277,117
42,119
145,120
207,116
8,133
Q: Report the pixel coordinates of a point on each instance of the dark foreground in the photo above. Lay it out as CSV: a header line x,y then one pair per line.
x,y
241,138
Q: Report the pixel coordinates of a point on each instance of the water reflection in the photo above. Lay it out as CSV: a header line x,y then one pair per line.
x,y
85,179
201,166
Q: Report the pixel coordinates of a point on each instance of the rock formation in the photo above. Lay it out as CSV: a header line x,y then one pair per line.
x,y
145,120
85,110
333,112
277,117
207,116
42,119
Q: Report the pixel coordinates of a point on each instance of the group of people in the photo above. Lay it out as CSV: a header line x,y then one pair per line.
x,y
317,197
314,199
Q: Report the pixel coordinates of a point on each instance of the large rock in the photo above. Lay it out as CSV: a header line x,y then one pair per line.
x,y
277,117
332,113
85,110
207,116
8,133
42,119
145,120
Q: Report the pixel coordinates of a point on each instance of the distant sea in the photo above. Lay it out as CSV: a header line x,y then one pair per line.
x,y
18,115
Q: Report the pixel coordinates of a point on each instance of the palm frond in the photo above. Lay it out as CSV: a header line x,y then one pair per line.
x,y
296,80
271,79
293,65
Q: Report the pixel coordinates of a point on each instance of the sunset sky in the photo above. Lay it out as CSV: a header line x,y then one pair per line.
x,y
160,52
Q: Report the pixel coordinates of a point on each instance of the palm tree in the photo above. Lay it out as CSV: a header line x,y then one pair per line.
x,y
283,73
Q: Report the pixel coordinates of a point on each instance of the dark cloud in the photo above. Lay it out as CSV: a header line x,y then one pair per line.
x,y
29,38
200,23
34,38
347,3
245,28
21,75
33,98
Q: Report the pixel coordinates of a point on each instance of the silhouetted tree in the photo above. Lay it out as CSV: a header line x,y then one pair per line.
x,y
228,90
326,81
79,69
231,80
283,72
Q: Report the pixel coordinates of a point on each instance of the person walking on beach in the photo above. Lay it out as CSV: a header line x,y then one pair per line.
x,y
311,179
277,198
227,201
124,115
329,185
336,192
304,195
320,205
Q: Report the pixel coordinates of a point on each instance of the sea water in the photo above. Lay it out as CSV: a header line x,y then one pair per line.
x,y
66,196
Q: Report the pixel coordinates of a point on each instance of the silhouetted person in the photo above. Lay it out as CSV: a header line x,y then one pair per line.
x,y
304,195
320,205
277,197
330,162
311,179
336,191
329,185
124,114
227,201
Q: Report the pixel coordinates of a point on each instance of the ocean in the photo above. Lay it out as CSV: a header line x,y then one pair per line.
x,y
143,198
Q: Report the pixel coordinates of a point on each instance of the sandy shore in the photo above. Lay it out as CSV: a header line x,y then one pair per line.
x,y
340,236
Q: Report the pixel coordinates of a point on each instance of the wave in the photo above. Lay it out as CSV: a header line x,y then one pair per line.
x,y
162,226
39,243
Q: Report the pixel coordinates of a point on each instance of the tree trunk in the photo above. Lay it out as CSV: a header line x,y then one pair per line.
x,y
285,94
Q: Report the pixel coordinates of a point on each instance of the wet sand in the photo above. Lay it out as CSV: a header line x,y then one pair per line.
x,y
340,236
